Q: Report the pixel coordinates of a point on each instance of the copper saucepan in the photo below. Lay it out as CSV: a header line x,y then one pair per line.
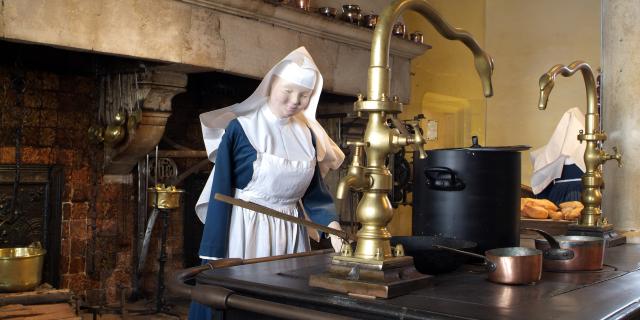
x,y
513,265
588,253
552,251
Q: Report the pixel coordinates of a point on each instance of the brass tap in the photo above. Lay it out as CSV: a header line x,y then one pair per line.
x,y
355,178
374,180
594,156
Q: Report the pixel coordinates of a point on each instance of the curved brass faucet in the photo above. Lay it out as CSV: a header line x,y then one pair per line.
x,y
378,85
594,156
374,180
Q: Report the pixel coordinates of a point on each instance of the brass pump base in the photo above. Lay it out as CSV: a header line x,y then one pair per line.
x,y
611,237
371,278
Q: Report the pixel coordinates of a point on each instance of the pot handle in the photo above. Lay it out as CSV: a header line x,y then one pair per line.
x,y
442,178
491,267
555,252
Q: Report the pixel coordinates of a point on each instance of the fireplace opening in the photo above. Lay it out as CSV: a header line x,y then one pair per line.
x,y
37,215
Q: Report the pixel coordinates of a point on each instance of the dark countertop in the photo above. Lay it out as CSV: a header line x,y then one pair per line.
x,y
613,292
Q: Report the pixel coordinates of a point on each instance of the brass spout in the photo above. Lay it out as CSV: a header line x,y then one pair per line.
x,y
355,178
546,85
379,71
345,184
594,156
548,79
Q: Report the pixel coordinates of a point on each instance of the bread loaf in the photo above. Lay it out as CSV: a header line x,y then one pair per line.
x,y
550,206
571,204
523,202
535,212
574,214
558,215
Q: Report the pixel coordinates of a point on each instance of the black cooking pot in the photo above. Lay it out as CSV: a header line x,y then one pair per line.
x,y
469,193
429,259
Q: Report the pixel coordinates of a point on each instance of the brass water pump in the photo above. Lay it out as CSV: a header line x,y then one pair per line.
x,y
374,270
594,156
374,180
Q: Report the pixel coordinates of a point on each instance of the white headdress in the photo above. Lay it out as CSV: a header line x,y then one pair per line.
x,y
297,67
563,148
295,73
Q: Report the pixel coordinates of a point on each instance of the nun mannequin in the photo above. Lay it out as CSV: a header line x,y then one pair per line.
x,y
268,149
559,165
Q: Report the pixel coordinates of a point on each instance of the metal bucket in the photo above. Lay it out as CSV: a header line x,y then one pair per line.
x,y
21,268
164,197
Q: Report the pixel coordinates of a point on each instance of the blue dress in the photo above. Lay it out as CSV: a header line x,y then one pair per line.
x,y
566,188
234,170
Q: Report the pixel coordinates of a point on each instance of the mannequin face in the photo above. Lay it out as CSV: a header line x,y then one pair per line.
x,y
287,99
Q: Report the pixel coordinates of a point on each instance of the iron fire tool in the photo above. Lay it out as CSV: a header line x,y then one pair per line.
x,y
591,222
345,236
162,199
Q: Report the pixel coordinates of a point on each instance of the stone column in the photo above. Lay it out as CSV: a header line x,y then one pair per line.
x,y
621,112
157,88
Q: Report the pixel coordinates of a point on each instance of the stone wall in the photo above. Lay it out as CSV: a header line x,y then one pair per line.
x,y
57,108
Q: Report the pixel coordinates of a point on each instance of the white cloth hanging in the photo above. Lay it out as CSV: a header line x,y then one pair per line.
x,y
563,148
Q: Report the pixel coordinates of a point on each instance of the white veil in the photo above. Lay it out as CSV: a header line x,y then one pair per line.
x,y
214,122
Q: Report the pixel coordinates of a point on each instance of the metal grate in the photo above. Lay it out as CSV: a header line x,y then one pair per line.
x,y
38,217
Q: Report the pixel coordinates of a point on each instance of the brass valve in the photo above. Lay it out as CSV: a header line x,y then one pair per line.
x,y
418,140
401,137
615,156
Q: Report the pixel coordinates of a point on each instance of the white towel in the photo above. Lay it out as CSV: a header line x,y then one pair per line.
x,y
563,148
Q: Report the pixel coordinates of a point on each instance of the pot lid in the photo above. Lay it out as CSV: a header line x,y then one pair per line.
x,y
505,148
476,147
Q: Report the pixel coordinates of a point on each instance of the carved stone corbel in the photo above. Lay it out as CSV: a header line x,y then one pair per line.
x,y
156,90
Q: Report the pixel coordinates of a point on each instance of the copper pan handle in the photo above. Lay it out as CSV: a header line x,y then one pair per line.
x,y
554,252
491,267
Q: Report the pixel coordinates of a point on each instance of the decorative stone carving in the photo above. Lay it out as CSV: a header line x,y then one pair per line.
x,y
157,89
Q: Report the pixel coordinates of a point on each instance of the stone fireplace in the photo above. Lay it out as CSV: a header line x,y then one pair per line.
x,y
34,214
192,56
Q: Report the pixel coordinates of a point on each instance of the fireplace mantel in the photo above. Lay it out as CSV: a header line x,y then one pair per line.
x,y
309,23
242,37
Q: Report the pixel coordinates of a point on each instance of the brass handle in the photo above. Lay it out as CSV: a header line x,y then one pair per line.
x,y
419,141
615,156
358,143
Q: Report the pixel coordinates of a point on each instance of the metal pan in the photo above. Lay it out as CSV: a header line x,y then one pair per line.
x,y
588,253
513,265
552,251
430,260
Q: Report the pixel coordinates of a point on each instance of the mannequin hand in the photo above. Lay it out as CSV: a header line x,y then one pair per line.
x,y
336,242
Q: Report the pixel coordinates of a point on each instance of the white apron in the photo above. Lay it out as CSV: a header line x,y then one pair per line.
x,y
279,184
